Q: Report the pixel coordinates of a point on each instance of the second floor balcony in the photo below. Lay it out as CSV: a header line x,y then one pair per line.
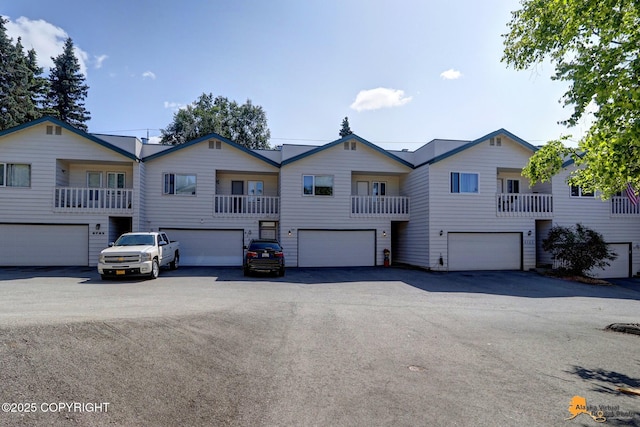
x,y
239,206
622,206
94,200
533,205
394,207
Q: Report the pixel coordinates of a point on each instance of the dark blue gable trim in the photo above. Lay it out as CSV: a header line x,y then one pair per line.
x,y
70,128
517,139
341,141
206,138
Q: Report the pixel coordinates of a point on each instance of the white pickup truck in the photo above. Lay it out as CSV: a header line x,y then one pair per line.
x,y
139,254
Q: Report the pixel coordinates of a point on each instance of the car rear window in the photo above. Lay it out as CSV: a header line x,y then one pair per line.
x,y
264,245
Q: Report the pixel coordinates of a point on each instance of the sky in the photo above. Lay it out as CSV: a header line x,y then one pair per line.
x,y
403,72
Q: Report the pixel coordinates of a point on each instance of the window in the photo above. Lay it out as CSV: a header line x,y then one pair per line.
x,y
255,188
379,189
94,179
513,186
116,179
577,191
317,185
15,175
179,184
464,182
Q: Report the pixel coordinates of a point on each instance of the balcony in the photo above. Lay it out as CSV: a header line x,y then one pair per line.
x,y
237,206
531,205
394,207
622,206
93,200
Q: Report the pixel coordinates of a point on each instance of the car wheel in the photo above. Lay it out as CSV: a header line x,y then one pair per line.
x,y
104,277
176,261
155,270
246,271
281,272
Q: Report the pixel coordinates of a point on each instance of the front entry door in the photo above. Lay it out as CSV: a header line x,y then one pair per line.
x,y
237,189
362,188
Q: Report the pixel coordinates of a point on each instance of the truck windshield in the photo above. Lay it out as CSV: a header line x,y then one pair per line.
x,y
135,240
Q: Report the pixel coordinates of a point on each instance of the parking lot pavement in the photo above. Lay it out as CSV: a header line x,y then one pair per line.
x,y
362,346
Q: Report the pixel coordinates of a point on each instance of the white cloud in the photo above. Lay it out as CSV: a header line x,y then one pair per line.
x,y
149,74
451,74
47,40
155,139
173,105
374,99
98,60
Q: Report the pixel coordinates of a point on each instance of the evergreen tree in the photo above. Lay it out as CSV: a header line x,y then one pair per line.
x,y
23,77
38,86
67,89
346,130
14,95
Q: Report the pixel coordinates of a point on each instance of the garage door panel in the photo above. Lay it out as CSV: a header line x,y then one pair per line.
x,y
336,248
44,245
619,267
485,251
208,247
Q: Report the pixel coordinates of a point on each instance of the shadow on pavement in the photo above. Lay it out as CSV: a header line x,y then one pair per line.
x,y
511,283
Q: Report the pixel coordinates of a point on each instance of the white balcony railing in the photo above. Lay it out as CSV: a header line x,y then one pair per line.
x,y
81,199
622,206
245,206
524,205
396,207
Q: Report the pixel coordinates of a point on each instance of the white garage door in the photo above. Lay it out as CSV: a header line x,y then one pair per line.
x,y
44,245
485,251
336,248
617,268
208,247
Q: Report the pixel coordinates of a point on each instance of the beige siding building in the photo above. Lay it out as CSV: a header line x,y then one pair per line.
x,y
450,205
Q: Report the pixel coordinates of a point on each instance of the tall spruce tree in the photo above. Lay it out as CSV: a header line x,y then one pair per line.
x,y
345,130
14,97
24,78
67,89
38,85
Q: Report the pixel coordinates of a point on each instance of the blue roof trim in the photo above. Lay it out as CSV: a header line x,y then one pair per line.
x,y
206,138
70,128
342,140
493,134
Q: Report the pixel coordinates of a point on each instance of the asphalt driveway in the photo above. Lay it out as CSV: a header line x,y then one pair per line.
x,y
364,346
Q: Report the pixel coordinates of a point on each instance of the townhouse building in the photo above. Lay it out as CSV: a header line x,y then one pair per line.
x,y
449,205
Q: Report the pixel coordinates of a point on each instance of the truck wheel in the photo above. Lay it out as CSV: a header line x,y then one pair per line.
x,y
155,270
104,277
175,262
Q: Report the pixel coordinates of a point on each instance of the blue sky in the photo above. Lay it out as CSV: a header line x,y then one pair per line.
x,y
404,72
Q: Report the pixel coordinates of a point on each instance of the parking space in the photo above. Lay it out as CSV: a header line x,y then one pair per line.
x,y
352,346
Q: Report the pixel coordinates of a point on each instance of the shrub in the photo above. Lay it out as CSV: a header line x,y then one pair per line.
x,y
578,248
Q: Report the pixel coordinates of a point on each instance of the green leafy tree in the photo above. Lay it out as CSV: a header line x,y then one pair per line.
x,y
579,249
67,89
244,124
345,129
594,46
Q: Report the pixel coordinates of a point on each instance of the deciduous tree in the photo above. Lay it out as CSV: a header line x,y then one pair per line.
x,y
594,46
244,124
